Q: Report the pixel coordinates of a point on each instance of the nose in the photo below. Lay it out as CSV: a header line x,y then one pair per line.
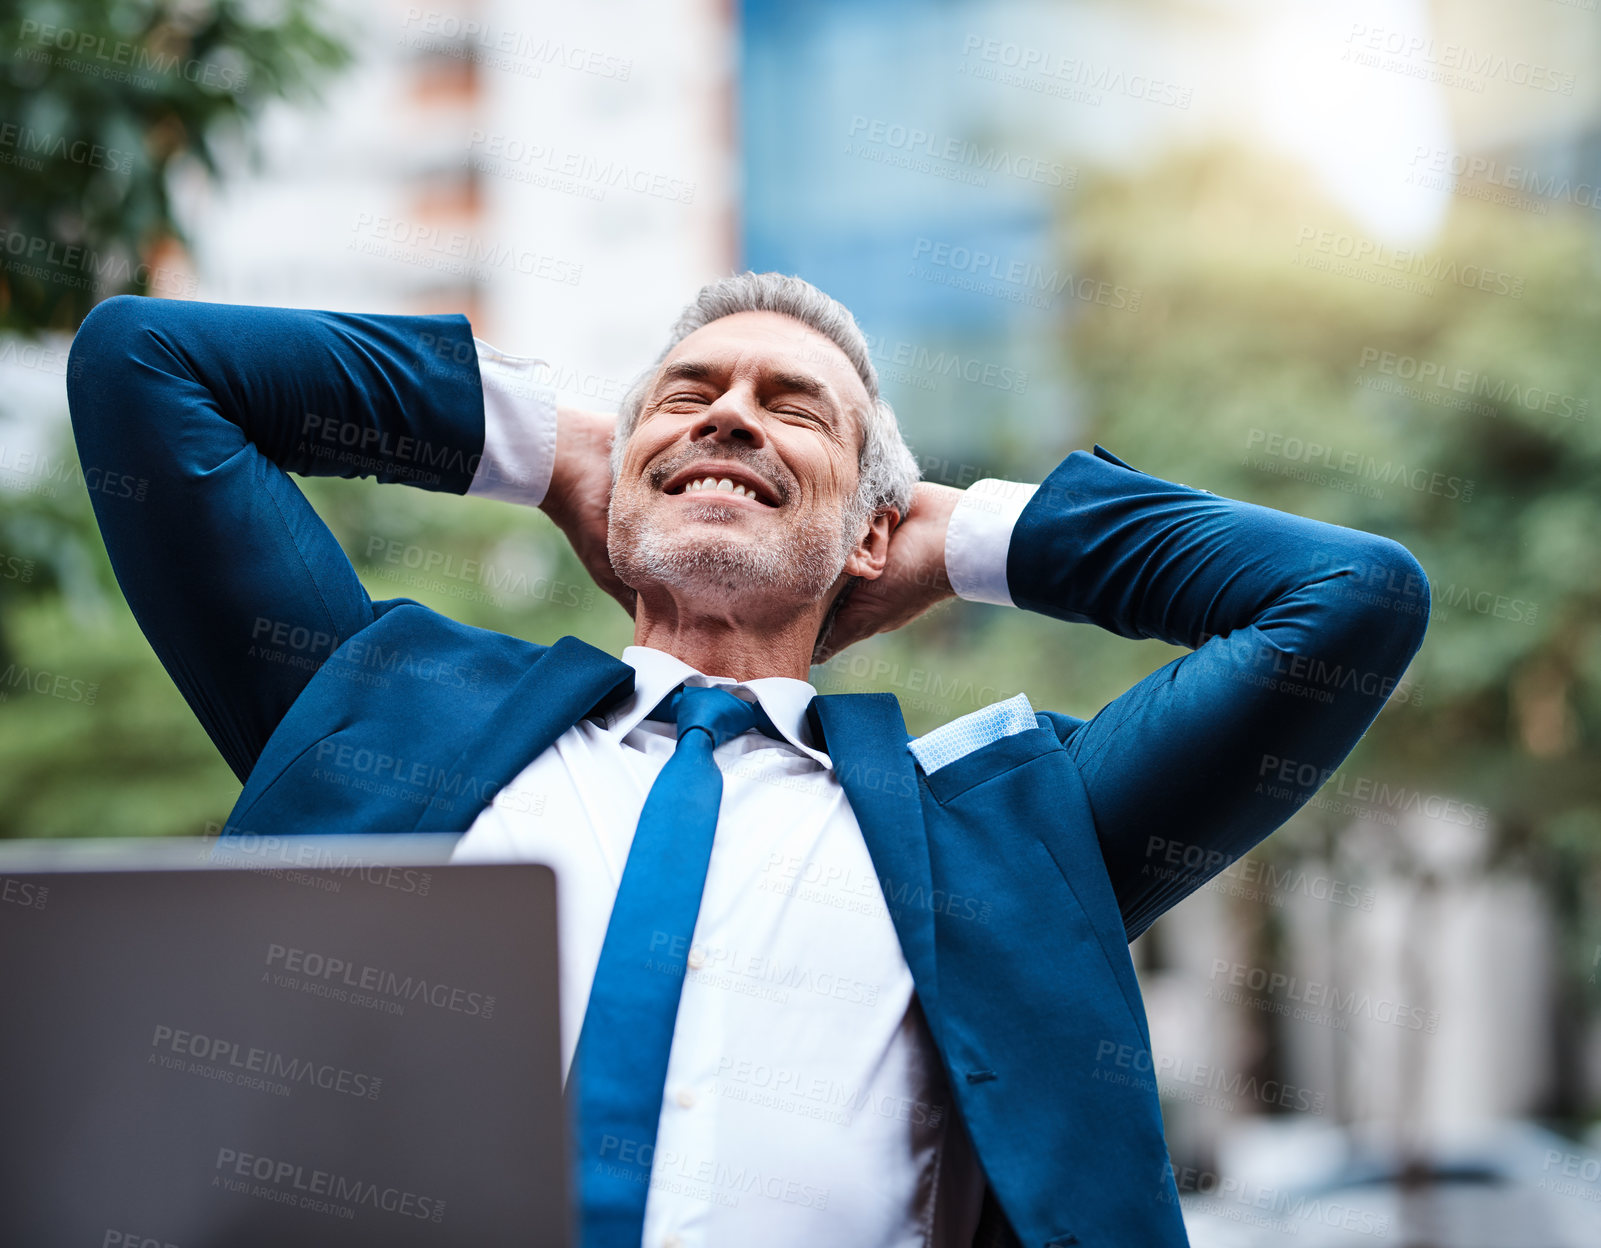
x,y
732,418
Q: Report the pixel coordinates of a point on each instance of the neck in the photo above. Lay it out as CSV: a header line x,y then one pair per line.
x,y
717,640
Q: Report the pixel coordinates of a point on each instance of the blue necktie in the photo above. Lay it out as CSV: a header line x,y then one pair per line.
x,y
620,1065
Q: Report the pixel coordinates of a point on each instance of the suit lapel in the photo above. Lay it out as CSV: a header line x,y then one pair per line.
x,y
865,738
563,685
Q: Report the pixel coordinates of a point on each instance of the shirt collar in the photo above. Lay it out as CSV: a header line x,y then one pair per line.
x,y
657,673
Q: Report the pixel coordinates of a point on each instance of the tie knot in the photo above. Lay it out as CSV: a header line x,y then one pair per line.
x,y
719,712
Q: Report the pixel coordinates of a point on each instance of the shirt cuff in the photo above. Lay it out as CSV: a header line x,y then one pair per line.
x,y
519,429
979,536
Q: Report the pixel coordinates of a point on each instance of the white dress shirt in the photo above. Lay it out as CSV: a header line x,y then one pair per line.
x,y
805,1102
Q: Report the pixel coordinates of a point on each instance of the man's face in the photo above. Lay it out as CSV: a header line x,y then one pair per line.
x,y
759,402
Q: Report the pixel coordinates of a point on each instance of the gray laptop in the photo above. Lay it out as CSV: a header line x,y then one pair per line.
x,y
313,1045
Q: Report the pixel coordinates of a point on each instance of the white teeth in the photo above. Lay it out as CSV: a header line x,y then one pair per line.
x,y
716,483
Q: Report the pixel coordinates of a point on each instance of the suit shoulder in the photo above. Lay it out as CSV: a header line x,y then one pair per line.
x,y
409,639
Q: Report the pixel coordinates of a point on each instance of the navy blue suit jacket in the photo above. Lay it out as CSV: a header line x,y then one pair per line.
x,y
343,714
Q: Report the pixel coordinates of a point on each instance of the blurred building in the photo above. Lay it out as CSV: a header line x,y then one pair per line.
x,y
1411,994
562,175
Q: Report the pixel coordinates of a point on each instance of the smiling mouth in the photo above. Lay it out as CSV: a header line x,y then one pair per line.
x,y
717,489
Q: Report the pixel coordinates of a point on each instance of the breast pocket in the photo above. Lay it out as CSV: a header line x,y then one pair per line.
x,y
973,733
989,761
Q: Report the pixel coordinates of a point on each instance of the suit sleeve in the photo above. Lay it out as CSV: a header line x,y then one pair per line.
x,y
1298,632
188,418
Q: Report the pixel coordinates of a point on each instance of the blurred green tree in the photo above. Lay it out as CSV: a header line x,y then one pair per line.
x,y
1443,393
98,99
1461,421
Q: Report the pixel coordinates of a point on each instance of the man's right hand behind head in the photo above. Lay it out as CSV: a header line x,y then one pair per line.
x,y
580,491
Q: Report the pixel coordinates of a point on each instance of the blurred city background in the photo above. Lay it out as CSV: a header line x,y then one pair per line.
x,y
1337,258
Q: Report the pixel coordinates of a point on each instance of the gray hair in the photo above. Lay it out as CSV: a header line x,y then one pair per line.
x,y
887,469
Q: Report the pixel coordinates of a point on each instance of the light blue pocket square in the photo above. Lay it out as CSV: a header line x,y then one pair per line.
x,y
972,731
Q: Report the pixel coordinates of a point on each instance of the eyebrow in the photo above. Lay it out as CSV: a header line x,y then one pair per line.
x,y
686,370
799,383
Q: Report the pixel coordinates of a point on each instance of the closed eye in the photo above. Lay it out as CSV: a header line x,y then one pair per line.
x,y
685,396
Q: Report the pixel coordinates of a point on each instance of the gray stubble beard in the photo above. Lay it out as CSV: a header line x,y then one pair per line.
x,y
804,565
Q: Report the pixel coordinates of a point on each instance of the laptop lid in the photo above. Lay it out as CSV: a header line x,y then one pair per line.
x,y
351,1055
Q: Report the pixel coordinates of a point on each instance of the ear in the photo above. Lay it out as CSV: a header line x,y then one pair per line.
x,y
871,553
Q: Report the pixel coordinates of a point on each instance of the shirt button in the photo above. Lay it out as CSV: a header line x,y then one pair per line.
x,y
697,957
685,1097
673,1241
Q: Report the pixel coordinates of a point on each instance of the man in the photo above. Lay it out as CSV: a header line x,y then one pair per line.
x,y
821,984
